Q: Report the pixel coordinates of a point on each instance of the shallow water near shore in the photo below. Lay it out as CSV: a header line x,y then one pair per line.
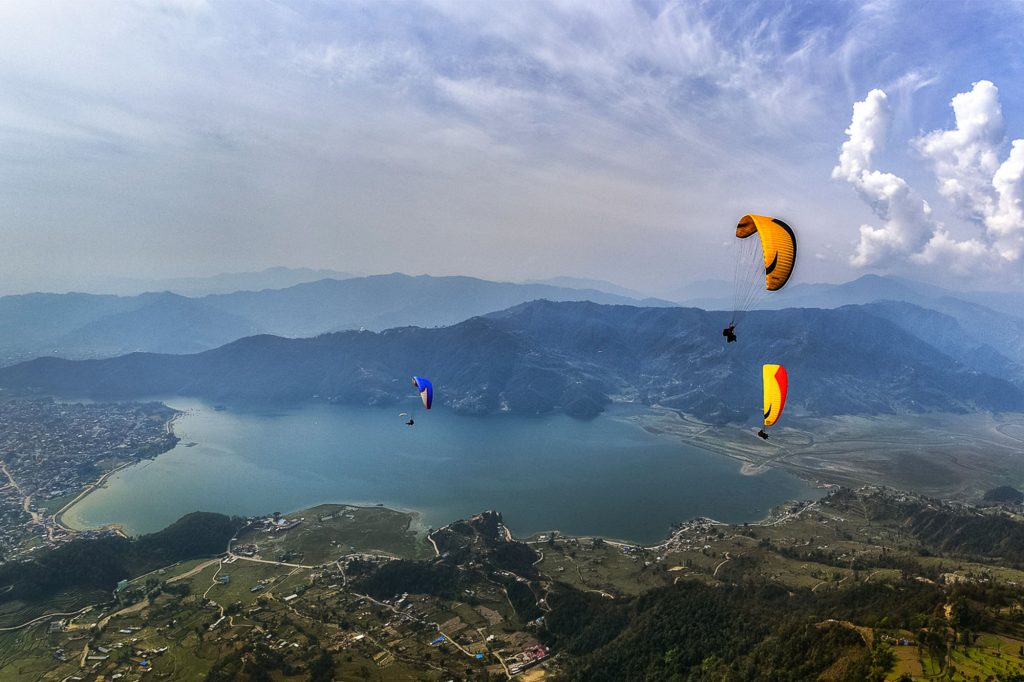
x,y
604,477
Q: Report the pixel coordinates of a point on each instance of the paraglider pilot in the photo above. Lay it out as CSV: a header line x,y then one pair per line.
x,y
762,434
730,332
410,422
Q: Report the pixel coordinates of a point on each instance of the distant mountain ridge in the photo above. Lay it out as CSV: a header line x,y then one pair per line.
x,y
993,319
718,295
226,283
88,325
385,301
587,283
542,357
222,283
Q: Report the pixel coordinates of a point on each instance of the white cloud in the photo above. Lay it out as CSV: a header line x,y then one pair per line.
x,y
966,164
653,67
908,221
1006,222
960,256
866,136
965,160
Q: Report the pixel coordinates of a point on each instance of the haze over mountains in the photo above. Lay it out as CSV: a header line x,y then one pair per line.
x,y
575,357
718,295
77,325
225,283
874,345
222,283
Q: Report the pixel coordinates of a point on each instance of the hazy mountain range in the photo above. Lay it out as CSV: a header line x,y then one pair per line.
x,y
543,356
77,325
223,283
718,295
989,319
595,284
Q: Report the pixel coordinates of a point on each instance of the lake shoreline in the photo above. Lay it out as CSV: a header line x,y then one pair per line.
x,y
58,516
609,477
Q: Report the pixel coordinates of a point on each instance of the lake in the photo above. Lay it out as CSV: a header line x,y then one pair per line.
x,y
606,477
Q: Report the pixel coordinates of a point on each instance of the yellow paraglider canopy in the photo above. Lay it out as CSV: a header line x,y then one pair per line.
x,y
778,244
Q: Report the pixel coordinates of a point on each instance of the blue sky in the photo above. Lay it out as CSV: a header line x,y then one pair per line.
x,y
506,140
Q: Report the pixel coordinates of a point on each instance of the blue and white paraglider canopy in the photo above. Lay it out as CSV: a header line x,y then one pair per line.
x,y
426,390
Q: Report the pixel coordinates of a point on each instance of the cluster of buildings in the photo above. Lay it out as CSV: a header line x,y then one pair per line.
x,y
407,626
50,451
529,656
275,523
122,657
689,536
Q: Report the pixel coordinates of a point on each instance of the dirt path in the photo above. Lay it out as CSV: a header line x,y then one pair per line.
x,y
787,517
26,500
134,608
437,552
42,618
214,583
865,633
198,569
266,561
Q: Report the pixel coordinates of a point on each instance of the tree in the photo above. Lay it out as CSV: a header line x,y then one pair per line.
x,y
882,661
322,668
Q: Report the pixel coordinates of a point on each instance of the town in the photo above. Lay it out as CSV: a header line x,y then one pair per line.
x,y
52,453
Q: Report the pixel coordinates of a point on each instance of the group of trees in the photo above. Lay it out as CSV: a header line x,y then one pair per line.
x,y
418,577
693,631
984,535
98,564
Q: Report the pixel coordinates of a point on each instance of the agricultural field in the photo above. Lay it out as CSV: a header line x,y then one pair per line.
x,y
592,564
329,531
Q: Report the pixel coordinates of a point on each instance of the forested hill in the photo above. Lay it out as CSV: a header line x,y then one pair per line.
x,y
98,564
544,357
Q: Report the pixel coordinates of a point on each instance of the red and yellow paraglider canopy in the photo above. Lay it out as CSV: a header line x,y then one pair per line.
x,y
776,385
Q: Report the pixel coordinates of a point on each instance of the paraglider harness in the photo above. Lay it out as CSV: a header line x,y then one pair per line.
x,y
729,332
410,422
762,434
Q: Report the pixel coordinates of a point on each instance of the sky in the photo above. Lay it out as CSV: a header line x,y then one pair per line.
x,y
509,140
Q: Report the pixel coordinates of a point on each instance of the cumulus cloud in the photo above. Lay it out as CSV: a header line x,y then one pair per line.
x,y
866,135
960,256
965,159
985,192
908,223
1006,222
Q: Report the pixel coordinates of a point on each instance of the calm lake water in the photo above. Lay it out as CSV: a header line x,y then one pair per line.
x,y
607,476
